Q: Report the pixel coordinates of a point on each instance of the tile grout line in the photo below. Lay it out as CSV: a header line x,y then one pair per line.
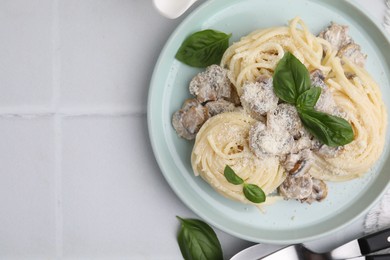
x,y
28,114
56,88
58,187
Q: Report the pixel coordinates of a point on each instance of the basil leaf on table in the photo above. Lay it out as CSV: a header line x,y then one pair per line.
x,y
198,241
231,176
254,193
309,98
291,78
203,48
330,130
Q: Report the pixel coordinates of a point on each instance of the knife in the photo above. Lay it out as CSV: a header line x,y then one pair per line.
x,y
355,248
363,246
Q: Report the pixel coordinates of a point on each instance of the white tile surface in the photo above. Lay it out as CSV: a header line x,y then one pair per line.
x,y
102,65
27,187
108,189
25,51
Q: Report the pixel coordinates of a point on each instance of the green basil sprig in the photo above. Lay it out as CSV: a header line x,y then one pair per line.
x,y
198,241
203,48
292,84
251,191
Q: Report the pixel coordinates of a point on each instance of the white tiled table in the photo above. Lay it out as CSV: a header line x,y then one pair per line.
x,y
78,176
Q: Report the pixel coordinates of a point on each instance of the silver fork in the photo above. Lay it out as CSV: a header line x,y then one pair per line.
x,y
356,249
299,252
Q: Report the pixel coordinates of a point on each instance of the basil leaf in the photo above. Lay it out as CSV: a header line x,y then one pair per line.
x,y
292,84
254,193
291,78
330,130
309,98
203,48
231,176
198,241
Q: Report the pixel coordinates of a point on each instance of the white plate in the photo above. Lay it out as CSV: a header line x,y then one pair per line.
x,y
286,221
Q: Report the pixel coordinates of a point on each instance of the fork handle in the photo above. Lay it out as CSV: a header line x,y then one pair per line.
x,y
378,257
375,242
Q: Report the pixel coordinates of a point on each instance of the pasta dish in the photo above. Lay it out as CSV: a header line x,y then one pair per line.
x,y
237,119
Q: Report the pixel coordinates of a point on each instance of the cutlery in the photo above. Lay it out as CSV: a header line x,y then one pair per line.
x,y
372,257
355,249
172,8
299,252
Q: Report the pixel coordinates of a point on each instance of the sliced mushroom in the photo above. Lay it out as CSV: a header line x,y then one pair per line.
x,y
258,98
296,187
319,192
219,106
211,84
336,35
298,164
188,120
353,53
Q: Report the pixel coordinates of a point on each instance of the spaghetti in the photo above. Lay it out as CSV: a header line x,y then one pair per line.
x,y
223,139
